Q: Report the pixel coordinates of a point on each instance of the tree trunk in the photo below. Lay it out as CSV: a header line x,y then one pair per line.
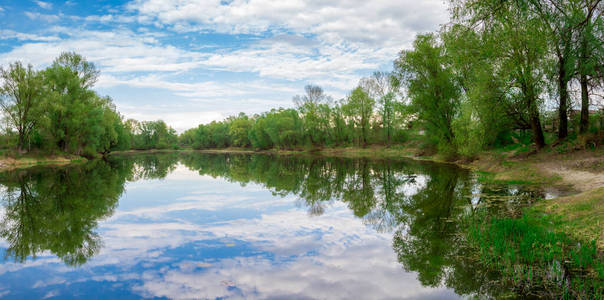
x,y
21,142
535,123
584,104
563,91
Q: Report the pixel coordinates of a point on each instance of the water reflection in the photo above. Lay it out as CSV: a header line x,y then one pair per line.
x,y
58,210
295,227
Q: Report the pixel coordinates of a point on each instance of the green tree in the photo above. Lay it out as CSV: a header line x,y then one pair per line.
x,y
383,87
590,53
73,112
521,49
20,96
431,87
239,128
155,135
359,109
487,113
309,106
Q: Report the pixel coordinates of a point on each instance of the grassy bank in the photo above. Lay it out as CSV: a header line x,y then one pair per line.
x,y
16,161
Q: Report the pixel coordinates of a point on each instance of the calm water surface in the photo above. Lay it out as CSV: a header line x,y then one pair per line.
x,y
197,226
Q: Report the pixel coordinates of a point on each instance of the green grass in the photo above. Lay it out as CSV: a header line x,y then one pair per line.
x,y
582,215
531,256
491,178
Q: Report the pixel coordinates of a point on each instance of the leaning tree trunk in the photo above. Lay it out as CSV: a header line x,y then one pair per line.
x,y
535,123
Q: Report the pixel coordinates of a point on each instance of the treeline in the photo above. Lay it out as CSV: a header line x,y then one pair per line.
x,y
56,110
371,114
483,80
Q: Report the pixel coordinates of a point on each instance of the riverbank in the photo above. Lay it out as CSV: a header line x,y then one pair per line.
x,y
28,161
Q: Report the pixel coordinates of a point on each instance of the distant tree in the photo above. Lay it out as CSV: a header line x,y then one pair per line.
x,y
239,128
309,107
359,109
382,87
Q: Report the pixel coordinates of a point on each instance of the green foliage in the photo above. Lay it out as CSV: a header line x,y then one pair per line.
x,y
491,71
20,97
154,135
56,110
430,84
359,110
315,114
278,128
239,129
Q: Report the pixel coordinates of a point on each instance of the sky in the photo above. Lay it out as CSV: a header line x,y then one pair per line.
x,y
189,62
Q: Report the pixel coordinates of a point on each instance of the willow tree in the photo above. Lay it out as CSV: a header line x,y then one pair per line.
x,y
590,56
20,96
520,50
382,87
72,113
431,87
359,110
309,106
570,28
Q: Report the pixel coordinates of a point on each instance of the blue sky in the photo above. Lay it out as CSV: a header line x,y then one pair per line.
x,y
194,61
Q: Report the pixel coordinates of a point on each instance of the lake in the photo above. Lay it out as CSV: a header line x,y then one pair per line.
x,y
215,226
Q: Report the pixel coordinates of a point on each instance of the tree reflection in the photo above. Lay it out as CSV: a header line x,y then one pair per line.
x,y
57,210
425,205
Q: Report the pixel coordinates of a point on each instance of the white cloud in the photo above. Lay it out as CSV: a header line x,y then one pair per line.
x,y
44,5
370,22
43,17
113,51
10,34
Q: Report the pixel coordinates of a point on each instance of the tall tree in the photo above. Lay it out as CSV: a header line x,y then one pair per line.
x,y
382,86
20,96
521,53
570,26
431,87
72,111
558,22
309,107
359,108
590,27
